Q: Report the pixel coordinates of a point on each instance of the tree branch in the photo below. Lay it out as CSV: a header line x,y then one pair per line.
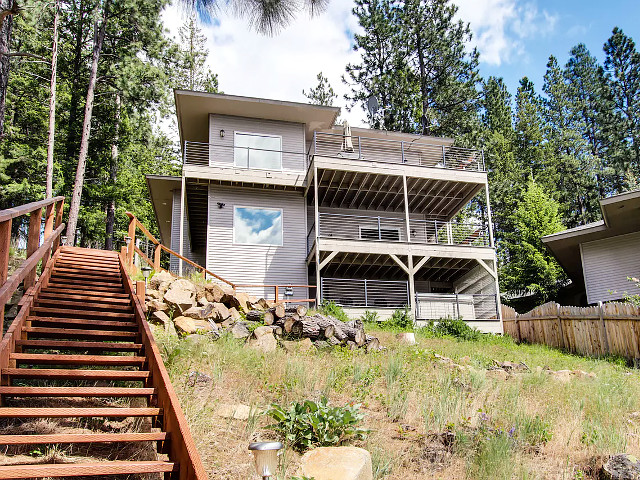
x,y
24,54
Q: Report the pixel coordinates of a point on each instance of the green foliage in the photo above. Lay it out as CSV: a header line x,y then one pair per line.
x,y
310,424
370,316
634,298
452,327
331,308
401,319
323,93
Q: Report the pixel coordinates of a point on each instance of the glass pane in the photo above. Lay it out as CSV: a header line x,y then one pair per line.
x,y
258,151
258,226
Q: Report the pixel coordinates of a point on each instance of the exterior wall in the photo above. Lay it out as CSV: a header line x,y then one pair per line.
x,y
606,265
221,150
175,237
258,264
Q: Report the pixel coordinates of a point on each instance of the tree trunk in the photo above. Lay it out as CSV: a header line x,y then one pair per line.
x,y
254,315
113,177
52,101
74,207
77,63
8,9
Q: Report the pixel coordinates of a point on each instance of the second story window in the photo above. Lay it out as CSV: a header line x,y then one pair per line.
x,y
252,150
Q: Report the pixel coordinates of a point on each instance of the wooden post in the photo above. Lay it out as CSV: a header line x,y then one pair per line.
x,y
132,242
5,243
49,217
560,330
58,222
140,293
33,242
276,294
604,329
156,258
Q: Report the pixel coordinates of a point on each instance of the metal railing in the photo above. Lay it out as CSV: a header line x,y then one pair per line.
x,y
221,155
396,151
393,229
433,306
349,292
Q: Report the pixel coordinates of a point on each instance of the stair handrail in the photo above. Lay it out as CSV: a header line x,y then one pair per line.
x,y
35,250
134,223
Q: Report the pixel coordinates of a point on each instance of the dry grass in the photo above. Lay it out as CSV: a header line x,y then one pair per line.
x,y
428,419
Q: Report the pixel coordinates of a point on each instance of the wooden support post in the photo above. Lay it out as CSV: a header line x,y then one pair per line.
x,y
5,243
49,217
140,292
132,242
560,330
605,337
276,294
58,222
156,258
412,287
33,242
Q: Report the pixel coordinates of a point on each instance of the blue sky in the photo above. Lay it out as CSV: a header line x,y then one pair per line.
x,y
515,38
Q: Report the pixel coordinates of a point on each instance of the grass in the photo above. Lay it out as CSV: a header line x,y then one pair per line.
x,y
427,419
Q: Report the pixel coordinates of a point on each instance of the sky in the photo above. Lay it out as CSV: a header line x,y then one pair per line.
x,y
514,38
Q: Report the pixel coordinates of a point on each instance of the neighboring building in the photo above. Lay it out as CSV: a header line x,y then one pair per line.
x,y
600,256
275,194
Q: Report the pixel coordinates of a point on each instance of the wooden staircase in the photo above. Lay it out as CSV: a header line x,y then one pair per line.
x,y
81,337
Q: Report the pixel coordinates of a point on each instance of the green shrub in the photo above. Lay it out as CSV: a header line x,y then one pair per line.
x,y
309,424
332,309
453,327
370,316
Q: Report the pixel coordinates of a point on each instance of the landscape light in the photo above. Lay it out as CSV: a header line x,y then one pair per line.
x,y
127,240
266,458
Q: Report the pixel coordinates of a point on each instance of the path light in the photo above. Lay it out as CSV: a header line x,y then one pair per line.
x,y
64,239
127,240
266,458
146,270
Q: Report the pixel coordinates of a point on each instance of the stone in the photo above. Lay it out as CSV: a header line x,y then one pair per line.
x,y
162,278
265,343
306,346
157,306
183,284
159,318
153,295
202,301
179,298
213,292
563,376
185,325
260,331
203,326
621,466
240,330
237,412
194,312
407,338
498,373
219,312
234,314
200,379
332,463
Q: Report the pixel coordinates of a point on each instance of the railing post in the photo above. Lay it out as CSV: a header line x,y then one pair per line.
x,y
156,258
5,244
132,242
605,337
444,157
379,230
402,150
449,233
33,242
276,288
315,143
140,293
359,148
58,222
484,165
49,215
366,296
184,153
458,305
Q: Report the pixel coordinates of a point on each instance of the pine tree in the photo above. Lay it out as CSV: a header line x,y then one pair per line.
x,y
191,72
323,93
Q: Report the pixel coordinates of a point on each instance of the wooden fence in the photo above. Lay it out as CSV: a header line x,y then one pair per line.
x,y
610,328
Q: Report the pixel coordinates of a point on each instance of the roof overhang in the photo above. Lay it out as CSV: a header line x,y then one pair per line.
x,y
161,189
193,109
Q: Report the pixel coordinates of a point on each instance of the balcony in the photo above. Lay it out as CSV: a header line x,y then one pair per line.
x,y
412,153
394,229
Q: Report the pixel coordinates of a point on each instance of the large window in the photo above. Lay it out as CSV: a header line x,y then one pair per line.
x,y
252,150
257,226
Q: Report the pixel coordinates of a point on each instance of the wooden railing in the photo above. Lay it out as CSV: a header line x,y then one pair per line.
x,y
35,250
604,329
135,224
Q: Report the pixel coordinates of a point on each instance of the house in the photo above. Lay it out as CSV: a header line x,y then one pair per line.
x,y
600,256
272,194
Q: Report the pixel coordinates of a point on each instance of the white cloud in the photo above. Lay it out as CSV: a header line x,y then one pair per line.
x,y
501,26
279,67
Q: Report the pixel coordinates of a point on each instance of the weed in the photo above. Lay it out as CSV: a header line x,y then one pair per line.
x,y
382,462
370,316
453,327
331,308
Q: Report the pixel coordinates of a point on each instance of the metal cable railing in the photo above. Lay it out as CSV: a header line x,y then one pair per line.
x,y
365,293
434,306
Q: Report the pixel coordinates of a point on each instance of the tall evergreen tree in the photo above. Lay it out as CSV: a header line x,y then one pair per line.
x,y
322,93
191,72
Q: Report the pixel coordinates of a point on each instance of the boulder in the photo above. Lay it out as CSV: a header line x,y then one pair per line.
x,y
159,318
194,312
498,373
621,466
196,378
234,314
563,376
153,294
162,278
203,325
219,312
181,299
185,325
157,306
202,300
407,338
213,292
237,412
183,284
332,463
265,343
240,330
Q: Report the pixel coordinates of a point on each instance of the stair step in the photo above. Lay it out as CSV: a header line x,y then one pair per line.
x,y
40,301
58,412
75,313
83,322
76,287
71,345
78,333
85,279
82,438
53,359
75,392
58,374
96,469
88,264
102,272
123,299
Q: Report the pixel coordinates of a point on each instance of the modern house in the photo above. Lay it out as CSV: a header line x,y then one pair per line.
x,y
273,193
600,256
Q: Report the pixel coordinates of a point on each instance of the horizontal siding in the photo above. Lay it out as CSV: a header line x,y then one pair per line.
x,y
258,264
477,281
175,237
221,150
607,263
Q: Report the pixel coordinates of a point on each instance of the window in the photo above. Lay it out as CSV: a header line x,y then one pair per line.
x,y
257,226
387,234
253,150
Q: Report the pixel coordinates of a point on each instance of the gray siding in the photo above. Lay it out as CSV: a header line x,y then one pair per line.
x,y
606,265
258,264
175,237
221,150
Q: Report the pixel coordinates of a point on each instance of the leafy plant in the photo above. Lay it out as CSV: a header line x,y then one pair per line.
x,y
332,309
401,319
370,316
454,327
309,424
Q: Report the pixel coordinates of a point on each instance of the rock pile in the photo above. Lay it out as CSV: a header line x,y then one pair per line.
x,y
191,308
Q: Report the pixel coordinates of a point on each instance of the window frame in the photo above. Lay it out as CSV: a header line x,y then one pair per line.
x,y
236,242
238,132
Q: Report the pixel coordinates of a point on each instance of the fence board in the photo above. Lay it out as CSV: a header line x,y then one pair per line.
x,y
612,328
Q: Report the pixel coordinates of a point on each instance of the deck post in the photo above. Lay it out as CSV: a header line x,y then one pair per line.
x,y
33,242
316,207
182,200
5,244
406,206
489,221
412,286
58,222
49,217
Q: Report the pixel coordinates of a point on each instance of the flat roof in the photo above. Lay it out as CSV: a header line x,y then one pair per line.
x,y
193,109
